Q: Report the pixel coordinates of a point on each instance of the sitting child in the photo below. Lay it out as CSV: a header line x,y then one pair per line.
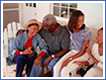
x,y
97,55
80,38
26,46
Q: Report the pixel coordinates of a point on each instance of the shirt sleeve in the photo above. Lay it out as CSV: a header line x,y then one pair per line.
x,y
65,43
17,41
43,46
17,44
88,34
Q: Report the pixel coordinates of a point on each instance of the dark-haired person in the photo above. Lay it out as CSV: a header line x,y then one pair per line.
x,y
26,45
57,39
97,56
80,39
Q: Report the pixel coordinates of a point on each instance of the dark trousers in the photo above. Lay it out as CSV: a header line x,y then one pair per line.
x,y
22,61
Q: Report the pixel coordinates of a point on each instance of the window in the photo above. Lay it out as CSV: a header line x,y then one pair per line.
x,y
64,9
31,5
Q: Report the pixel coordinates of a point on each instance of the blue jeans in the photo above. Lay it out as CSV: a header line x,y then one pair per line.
x,y
21,61
37,69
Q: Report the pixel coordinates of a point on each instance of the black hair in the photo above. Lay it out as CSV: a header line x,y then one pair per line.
x,y
73,19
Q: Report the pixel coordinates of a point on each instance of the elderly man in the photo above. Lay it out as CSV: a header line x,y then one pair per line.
x,y
57,39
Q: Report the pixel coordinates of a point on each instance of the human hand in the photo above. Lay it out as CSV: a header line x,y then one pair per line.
x,y
27,51
47,61
38,60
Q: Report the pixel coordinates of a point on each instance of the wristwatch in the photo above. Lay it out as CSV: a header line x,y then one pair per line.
x,y
53,56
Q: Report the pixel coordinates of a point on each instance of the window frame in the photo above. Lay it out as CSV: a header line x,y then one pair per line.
x,y
60,6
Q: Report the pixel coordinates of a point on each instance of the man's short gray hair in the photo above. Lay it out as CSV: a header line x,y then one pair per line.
x,y
50,18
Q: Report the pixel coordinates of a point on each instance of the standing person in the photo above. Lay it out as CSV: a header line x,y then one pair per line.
x,y
57,39
26,48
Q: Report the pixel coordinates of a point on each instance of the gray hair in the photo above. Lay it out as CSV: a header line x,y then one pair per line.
x,y
50,18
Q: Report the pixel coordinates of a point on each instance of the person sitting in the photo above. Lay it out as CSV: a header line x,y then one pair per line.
x,y
26,45
57,39
80,37
97,56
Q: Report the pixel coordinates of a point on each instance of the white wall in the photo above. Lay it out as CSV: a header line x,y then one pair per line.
x,y
42,10
38,13
27,13
93,13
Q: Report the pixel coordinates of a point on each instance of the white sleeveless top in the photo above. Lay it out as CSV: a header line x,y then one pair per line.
x,y
96,54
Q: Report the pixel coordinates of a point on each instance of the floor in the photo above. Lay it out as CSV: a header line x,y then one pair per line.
x,y
10,71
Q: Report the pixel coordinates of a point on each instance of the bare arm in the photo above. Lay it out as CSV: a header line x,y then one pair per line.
x,y
93,58
84,48
82,51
